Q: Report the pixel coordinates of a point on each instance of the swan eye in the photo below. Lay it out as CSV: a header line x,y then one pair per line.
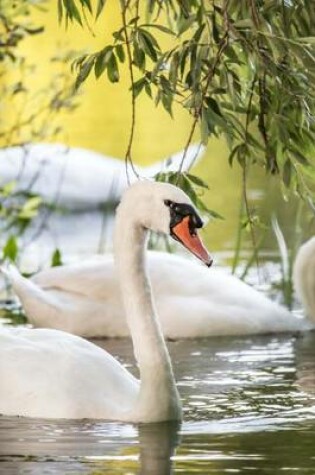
x,y
169,203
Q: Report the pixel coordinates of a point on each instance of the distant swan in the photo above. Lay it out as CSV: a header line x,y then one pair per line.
x,y
192,301
74,177
52,374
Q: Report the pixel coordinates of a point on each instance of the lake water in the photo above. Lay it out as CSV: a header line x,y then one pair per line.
x,y
249,407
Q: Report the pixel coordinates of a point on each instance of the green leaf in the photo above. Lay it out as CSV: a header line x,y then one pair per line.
x,y
167,101
85,70
307,39
165,85
299,157
148,89
87,3
233,153
183,24
148,43
32,203
112,69
119,35
56,259
197,181
215,119
204,129
246,23
10,249
138,86
149,37
30,208
120,53
72,11
188,188
174,69
287,173
138,56
100,6
198,33
214,214
212,104
8,188
215,30
60,11
159,27
102,60
183,60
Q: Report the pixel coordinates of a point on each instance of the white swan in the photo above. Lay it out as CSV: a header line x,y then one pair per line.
x,y
52,374
75,177
192,301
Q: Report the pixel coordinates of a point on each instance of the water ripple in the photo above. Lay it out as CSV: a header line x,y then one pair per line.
x,y
249,404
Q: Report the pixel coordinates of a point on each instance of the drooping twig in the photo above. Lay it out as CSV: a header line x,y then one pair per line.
x,y
271,161
128,155
244,177
222,46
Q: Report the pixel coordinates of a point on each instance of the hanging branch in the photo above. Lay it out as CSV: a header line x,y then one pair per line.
x,y
128,155
271,161
222,46
244,175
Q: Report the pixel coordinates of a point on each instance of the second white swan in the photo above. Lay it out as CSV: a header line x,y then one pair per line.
x,y
192,301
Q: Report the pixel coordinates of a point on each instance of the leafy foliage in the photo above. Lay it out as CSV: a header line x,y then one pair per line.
x,y
244,70
15,27
56,259
26,116
10,249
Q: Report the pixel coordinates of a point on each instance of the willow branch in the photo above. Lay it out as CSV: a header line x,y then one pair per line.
x,y
244,176
128,155
222,46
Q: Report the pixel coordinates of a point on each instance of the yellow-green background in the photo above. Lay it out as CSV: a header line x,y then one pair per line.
x,y
103,119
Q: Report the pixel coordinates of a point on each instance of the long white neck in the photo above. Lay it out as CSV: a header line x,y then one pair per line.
x,y
304,277
158,398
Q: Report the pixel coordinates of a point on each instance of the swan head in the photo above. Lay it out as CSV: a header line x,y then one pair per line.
x,y
166,209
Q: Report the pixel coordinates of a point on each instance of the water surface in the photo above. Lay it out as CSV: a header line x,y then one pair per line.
x,y
249,406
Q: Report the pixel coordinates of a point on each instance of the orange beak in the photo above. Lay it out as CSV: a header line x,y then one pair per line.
x,y
192,242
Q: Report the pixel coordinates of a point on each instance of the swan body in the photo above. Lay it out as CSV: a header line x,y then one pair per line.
x,y
74,177
192,301
304,277
52,374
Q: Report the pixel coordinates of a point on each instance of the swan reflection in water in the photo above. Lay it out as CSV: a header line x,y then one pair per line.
x,y
305,365
87,447
157,446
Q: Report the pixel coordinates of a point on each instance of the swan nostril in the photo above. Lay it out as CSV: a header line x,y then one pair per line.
x,y
210,262
197,221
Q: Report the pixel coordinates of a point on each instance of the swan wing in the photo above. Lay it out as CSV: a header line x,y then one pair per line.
x,y
86,300
95,278
52,374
